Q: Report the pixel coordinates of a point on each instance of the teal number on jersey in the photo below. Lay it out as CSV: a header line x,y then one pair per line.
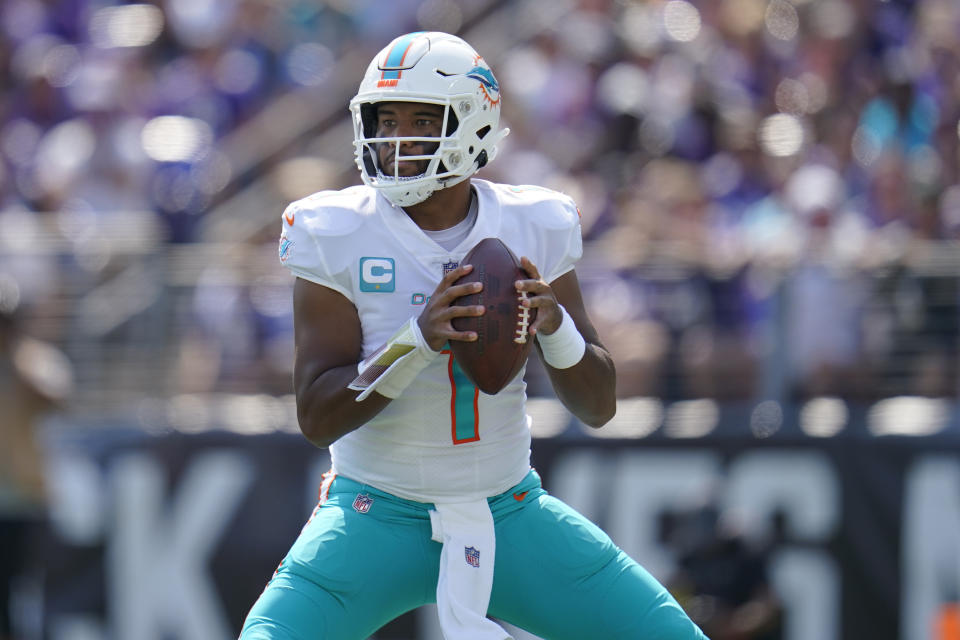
x,y
464,412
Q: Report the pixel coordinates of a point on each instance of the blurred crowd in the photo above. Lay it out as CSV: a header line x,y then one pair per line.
x,y
768,187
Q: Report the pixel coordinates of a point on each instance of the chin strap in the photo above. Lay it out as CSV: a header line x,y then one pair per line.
x,y
391,368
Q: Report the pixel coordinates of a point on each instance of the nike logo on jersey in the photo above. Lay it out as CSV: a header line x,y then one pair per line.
x,y
520,496
289,218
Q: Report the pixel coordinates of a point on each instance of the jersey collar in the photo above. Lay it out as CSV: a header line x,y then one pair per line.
x,y
427,252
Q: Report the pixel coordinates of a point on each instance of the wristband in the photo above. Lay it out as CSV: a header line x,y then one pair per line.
x,y
392,367
564,347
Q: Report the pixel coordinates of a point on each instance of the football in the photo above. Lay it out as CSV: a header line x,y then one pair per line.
x,y
503,342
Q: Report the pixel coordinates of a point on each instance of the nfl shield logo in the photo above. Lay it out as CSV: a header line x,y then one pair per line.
x,y
449,266
362,503
473,556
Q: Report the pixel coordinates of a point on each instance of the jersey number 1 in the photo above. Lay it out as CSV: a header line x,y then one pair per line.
x,y
464,399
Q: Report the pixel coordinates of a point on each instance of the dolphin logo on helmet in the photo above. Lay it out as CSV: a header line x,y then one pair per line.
x,y
491,88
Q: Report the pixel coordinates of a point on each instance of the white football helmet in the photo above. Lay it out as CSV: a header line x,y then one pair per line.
x,y
436,68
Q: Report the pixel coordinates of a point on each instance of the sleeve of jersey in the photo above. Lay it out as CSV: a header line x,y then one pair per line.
x,y
312,248
564,246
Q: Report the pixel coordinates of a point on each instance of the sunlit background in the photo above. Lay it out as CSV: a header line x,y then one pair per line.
x,y
771,214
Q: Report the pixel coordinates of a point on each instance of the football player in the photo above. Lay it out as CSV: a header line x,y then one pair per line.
x,y
431,497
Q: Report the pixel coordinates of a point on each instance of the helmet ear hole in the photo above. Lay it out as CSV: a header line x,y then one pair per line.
x,y
482,131
368,117
368,161
452,122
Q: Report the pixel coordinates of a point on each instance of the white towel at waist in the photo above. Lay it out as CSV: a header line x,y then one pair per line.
x,y
466,570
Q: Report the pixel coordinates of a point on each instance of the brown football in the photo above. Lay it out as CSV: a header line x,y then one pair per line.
x,y
503,342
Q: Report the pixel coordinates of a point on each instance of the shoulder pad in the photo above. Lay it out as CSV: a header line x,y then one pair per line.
x,y
547,208
329,213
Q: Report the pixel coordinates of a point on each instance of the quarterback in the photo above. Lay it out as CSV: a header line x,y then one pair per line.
x,y
431,497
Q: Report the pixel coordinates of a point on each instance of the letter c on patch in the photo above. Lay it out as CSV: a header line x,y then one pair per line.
x,y
377,274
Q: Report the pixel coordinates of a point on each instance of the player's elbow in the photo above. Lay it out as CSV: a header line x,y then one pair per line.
x,y
593,400
600,415
316,433
319,430
594,410
602,405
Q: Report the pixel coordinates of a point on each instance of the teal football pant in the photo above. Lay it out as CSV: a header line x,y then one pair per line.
x,y
366,557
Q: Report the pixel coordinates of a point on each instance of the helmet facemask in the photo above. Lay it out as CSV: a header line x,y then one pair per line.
x,y
447,161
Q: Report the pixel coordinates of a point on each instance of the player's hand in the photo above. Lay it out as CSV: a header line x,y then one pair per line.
x,y
435,318
541,298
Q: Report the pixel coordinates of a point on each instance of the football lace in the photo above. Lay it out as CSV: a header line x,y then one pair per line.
x,y
523,321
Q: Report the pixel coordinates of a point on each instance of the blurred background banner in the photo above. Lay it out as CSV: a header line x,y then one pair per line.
x,y
173,535
771,213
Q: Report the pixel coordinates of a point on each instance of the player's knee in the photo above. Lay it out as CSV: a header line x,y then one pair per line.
x,y
668,621
264,630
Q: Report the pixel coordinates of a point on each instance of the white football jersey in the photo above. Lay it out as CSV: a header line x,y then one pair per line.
x,y
442,440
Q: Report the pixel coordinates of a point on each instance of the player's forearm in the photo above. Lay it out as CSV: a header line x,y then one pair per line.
x,y
588,388
327,409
